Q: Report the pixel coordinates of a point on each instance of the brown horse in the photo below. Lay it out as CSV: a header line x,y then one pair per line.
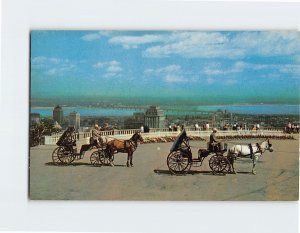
x,y
125,146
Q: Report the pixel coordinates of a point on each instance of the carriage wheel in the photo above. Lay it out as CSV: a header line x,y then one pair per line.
x,y
211,161
55,158
178,163
95,159
105,156
217,164
65,156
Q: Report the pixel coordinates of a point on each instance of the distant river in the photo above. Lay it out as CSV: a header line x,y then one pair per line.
x,y
255,109
243,109
48,111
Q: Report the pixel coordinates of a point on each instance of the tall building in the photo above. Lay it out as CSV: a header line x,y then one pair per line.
x,y
58,114
155,118
34,118
74,120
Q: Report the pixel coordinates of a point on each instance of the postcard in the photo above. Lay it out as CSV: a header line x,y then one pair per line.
x,y
164,115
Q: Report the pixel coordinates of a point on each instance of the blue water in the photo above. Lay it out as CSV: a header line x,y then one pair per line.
x,y
87,111
254,109
243,109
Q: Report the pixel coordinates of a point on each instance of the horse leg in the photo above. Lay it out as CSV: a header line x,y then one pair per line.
x,y
109,152
231,161
128,158
131,155
254,160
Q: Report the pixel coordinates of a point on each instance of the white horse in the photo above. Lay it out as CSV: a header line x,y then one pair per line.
x,y
246,150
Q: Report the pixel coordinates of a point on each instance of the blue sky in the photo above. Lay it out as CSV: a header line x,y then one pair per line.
x,y
188,66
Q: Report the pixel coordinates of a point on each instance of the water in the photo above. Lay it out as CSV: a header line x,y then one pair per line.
x,y
48,111
255,109
242,109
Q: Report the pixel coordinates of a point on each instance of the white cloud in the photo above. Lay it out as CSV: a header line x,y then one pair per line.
x,y
96,35
114,69
226,45
134,41
191,44
171,78
52,66
111,68
99,65
91,36
194,44
214,69
219,69
268,43
38,60
170,73
166,69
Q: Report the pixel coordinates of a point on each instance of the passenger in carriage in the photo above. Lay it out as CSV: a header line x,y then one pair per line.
x,y
214,144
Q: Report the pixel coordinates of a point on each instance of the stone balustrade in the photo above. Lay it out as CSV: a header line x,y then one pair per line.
x,y
127,133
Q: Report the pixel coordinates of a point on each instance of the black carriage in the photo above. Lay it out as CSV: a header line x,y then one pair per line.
x,y
66,152
180,158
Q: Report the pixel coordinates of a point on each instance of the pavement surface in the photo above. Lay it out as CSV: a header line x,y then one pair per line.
x,y
277,176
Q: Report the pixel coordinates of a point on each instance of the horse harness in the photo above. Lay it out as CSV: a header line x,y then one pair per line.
x,y
259,149
128,143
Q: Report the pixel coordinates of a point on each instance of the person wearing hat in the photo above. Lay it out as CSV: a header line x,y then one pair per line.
x,y
96,136
214,143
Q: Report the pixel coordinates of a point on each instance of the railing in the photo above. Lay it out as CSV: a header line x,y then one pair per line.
x,y
155,132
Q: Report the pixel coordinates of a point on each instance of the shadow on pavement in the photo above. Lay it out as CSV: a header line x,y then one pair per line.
x,y
167,172
64,165
246,173
80,164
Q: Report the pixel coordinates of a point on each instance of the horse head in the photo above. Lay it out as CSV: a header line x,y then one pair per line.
x,y
268,146
137,137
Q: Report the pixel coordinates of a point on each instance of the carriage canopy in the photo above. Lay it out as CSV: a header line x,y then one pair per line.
x,y
182,136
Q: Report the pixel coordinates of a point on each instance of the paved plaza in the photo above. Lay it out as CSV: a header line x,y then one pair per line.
x,y
150,179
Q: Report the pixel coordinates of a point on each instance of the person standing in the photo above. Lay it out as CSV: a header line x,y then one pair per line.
x,y
289,127
207,126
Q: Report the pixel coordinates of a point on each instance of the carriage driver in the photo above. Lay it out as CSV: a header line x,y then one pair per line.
x,y
213,142
96,136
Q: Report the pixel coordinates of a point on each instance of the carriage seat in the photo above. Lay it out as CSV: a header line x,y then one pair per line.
x,y
213,147
217,147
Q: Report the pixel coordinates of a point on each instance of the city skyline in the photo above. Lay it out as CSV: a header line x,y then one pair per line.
x,y
182,66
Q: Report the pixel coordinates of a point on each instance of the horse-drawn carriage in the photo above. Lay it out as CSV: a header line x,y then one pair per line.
x,y
66,152
180,158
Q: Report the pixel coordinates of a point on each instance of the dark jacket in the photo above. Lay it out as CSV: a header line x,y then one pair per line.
x,y
213,138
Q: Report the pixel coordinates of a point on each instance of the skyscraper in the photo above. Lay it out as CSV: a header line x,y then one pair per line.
x,y
155,118
58,114
74,120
